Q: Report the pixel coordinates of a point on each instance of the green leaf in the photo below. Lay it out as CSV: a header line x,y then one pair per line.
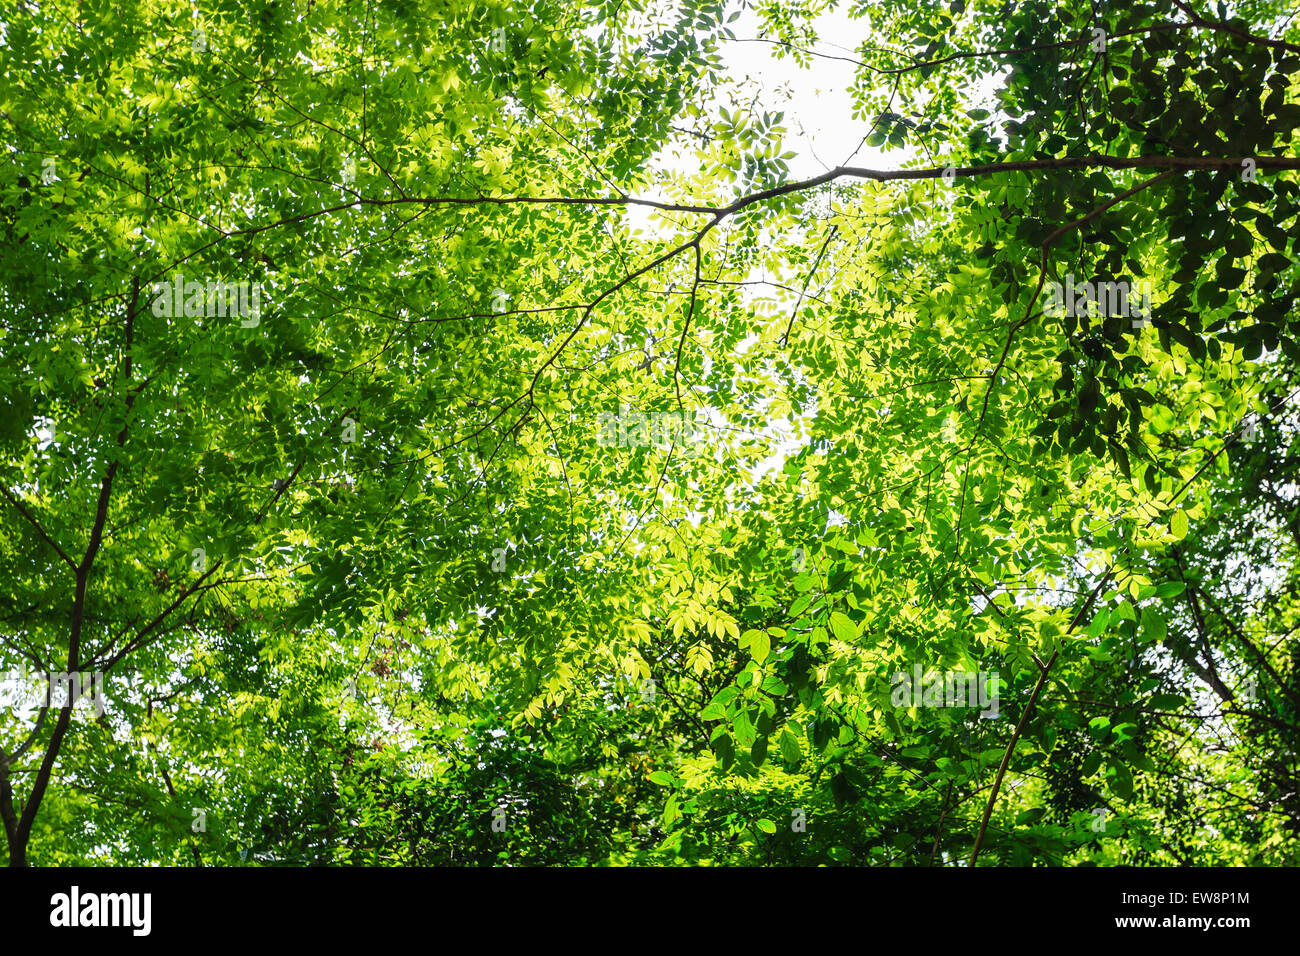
x,y
790,748
1154,627
843,628
1121,780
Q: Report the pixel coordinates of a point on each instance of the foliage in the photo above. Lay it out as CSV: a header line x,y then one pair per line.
x,y
372,578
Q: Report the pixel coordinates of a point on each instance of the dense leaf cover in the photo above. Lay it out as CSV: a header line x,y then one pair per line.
x,y
536,501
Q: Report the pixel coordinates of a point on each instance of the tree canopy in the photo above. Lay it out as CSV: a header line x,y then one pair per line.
x,y
454,433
